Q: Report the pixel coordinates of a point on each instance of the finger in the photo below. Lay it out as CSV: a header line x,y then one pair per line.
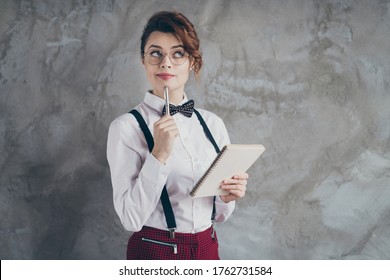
x,y
166,126
172,131
164,123
234,182
241,176
164,119
231,188
236,193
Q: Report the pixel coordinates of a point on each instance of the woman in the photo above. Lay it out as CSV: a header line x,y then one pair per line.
x,y
155,159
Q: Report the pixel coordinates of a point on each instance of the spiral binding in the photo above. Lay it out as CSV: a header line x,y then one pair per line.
x,y
209,170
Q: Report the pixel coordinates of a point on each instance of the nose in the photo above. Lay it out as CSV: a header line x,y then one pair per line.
x,y
166,62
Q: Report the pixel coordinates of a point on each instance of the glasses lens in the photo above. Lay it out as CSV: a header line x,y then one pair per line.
x,y
154,57
178,57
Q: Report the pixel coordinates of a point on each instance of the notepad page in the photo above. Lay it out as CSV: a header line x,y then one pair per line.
x,y
236,159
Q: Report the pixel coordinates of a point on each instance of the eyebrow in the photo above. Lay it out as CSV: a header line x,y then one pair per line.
x,y
173,47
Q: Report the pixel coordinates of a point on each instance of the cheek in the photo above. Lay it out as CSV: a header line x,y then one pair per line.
x,y
149,73
185,73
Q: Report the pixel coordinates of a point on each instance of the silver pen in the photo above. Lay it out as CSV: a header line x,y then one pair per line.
x,y
166,96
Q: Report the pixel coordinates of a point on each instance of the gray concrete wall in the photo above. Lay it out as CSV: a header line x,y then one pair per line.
x,y
308,79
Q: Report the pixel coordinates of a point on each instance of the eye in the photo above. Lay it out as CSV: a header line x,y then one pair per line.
x,y
156,53
178,54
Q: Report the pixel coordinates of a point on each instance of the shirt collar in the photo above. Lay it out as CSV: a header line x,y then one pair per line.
x,y
157,103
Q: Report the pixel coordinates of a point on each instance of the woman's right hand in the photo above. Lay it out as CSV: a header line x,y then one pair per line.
x,y
165,132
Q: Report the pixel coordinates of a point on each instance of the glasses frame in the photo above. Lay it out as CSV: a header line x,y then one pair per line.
x,y
187,55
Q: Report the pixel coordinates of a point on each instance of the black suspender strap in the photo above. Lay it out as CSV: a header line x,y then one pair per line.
x,y
144,128
207,131
166,203
167,207
217,149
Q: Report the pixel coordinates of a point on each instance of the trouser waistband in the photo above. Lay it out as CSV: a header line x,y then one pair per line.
x,y
179,237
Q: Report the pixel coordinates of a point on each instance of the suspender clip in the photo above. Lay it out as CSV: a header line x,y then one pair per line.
x,y
213,232
172,233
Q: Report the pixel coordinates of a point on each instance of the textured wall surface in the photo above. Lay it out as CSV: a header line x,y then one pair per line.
x,y
308,79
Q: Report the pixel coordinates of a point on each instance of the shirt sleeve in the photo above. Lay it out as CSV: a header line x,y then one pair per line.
x,y
137,177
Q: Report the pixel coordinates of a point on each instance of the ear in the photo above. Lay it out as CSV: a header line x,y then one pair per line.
x,y
191,65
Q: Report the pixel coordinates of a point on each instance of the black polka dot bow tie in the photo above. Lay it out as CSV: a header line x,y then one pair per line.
x,y
186,109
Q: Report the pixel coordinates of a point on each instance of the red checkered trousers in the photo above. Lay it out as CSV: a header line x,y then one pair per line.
x,y
155,244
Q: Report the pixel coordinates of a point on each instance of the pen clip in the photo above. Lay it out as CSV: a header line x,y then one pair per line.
x,y
166,96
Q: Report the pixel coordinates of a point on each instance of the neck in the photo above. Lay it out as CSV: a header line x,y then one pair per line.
x,y
175,96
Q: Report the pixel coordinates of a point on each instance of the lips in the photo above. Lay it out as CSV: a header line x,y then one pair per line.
x,y
165,76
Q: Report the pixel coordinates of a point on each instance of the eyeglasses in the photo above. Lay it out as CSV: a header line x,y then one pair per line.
x,y
177,56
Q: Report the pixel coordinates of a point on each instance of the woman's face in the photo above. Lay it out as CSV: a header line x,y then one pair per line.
x,y
166,73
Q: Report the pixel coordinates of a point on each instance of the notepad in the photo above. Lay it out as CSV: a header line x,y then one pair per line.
x,y
233,159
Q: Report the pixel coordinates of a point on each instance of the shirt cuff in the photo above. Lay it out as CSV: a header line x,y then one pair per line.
x,y
154,172
224,209
219,200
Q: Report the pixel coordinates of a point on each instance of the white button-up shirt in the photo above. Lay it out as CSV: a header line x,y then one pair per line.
x,y
138,177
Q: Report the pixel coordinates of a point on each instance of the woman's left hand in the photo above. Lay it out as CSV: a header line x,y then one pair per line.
x,y
236,186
